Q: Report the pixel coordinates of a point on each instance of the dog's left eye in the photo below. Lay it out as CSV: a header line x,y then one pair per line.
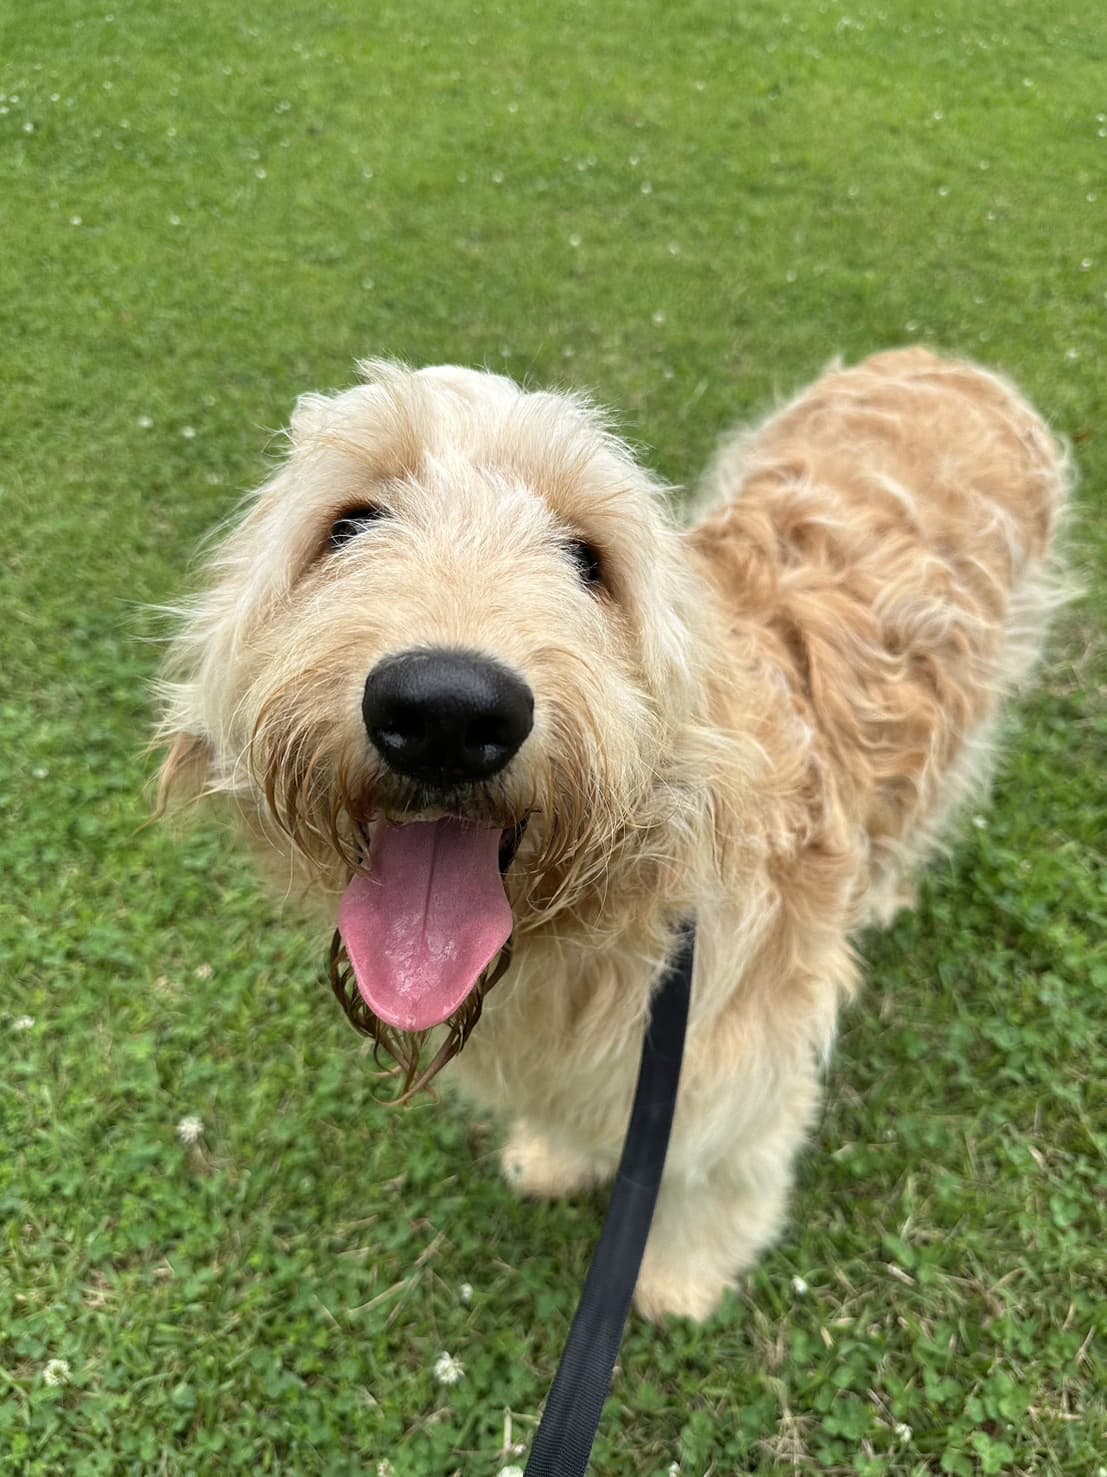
x,y
587,561
352,523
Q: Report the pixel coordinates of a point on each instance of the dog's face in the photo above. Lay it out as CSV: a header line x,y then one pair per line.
x,y
442,662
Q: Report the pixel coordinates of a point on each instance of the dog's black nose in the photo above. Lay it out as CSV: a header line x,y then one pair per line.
x,y
446,717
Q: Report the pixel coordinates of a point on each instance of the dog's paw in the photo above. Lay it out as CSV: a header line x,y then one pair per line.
x,y
668,1292
532,1166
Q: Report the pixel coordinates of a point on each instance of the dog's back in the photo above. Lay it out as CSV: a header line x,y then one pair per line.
x,y
887,541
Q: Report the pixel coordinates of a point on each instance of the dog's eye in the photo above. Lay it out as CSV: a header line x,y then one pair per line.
x,y
587,561
352,523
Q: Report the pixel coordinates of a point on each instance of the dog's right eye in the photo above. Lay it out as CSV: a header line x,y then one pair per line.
x,y
352,523
588,562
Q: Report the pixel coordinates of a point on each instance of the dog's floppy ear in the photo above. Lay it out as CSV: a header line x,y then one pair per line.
x,y
184,771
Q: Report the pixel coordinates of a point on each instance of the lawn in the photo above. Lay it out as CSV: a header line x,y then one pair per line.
x,y
688,208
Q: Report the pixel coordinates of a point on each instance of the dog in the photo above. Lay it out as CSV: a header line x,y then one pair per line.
x,y
472,690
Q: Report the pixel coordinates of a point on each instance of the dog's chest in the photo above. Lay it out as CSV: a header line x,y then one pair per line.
x,y
561,1048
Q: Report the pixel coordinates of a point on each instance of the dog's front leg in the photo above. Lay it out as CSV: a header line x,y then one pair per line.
x,y
533,1164
711,1226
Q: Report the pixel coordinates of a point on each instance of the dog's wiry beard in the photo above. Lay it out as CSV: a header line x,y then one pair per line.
x,y
588,818
407,1048
311,793
319,797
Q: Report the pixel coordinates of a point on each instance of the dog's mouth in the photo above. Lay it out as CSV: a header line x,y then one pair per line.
x,y
423,925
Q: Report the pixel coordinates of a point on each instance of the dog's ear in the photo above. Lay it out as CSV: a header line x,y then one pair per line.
x,y
184,771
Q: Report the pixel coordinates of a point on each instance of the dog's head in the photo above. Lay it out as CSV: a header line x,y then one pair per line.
x,y
443,663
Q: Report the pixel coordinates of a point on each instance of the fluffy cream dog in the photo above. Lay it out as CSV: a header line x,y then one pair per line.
x,y
467,684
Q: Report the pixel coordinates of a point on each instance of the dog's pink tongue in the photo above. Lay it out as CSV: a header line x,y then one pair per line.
x,y
424,925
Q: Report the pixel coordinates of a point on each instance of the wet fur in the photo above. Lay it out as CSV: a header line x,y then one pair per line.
x,y
766,720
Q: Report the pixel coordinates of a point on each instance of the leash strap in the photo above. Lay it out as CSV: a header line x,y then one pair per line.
x,y
568,1427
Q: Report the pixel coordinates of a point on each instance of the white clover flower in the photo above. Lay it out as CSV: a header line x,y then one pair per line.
x,y
510,1472
674,1469
465,1293
57,1372
23,1022
385,1468
902,1433
448,1370
799,1286
190,1129
203,971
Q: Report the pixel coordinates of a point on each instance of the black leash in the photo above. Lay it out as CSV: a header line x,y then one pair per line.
x,y
572,1415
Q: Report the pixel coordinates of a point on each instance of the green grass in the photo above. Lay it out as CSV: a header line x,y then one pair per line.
x,y
687,208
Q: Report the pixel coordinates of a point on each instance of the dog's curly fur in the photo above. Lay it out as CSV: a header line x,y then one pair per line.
x,y
764,720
